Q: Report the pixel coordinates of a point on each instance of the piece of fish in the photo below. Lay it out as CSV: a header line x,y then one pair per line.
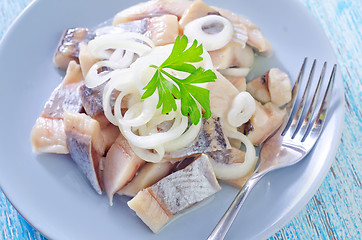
x,y
258,88
238,82
110,133
152,8
266,119
162,30
229,156
222,94
279,87
210,138
68,47
92,99
148,175
273,86
86,145
86,59
196,9
120,166
66,96
48,136
158,204
232,55
256,39
102,120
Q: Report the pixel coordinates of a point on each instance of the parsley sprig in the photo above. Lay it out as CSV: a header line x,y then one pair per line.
x,y
180,59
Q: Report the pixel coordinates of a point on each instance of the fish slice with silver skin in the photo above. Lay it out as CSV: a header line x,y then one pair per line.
x,y
288,145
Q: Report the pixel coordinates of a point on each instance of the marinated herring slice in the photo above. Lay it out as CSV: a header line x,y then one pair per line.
x,y
273,86
92,99
266,119
86,145
196,10
178,191
68,47
222,94
148,175
67,95
210,138
110,133
162,30
120,166
233,55
255,37
47,135
238,82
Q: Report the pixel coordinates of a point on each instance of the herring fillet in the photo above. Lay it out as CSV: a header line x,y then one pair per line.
x,y
47,134
120,166
86,145
211,138
158,204
148,175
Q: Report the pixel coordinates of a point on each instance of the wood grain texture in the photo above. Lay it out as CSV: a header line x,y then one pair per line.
x,y
335,210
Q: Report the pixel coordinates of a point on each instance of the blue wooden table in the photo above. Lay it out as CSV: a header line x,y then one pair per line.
x,y
335,211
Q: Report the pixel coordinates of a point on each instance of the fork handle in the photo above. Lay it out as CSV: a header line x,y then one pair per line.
x,y
225,222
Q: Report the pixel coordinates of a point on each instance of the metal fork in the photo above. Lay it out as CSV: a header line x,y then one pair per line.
x,y
289,144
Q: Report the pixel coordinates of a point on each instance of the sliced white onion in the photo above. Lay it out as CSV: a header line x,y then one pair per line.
x,y
236,170
127,36
235,72
185,139
94,79
242,108
240,34
178,127
138,114
198,29
207,61
160,118
110,30
123,83
155,156
99,47
141,67
122,58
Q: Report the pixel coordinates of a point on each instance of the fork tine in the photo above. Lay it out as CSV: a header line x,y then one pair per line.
x,y
308,117
321,117
295,92
297,117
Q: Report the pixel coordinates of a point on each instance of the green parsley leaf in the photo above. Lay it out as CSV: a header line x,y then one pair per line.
x,y
180,59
